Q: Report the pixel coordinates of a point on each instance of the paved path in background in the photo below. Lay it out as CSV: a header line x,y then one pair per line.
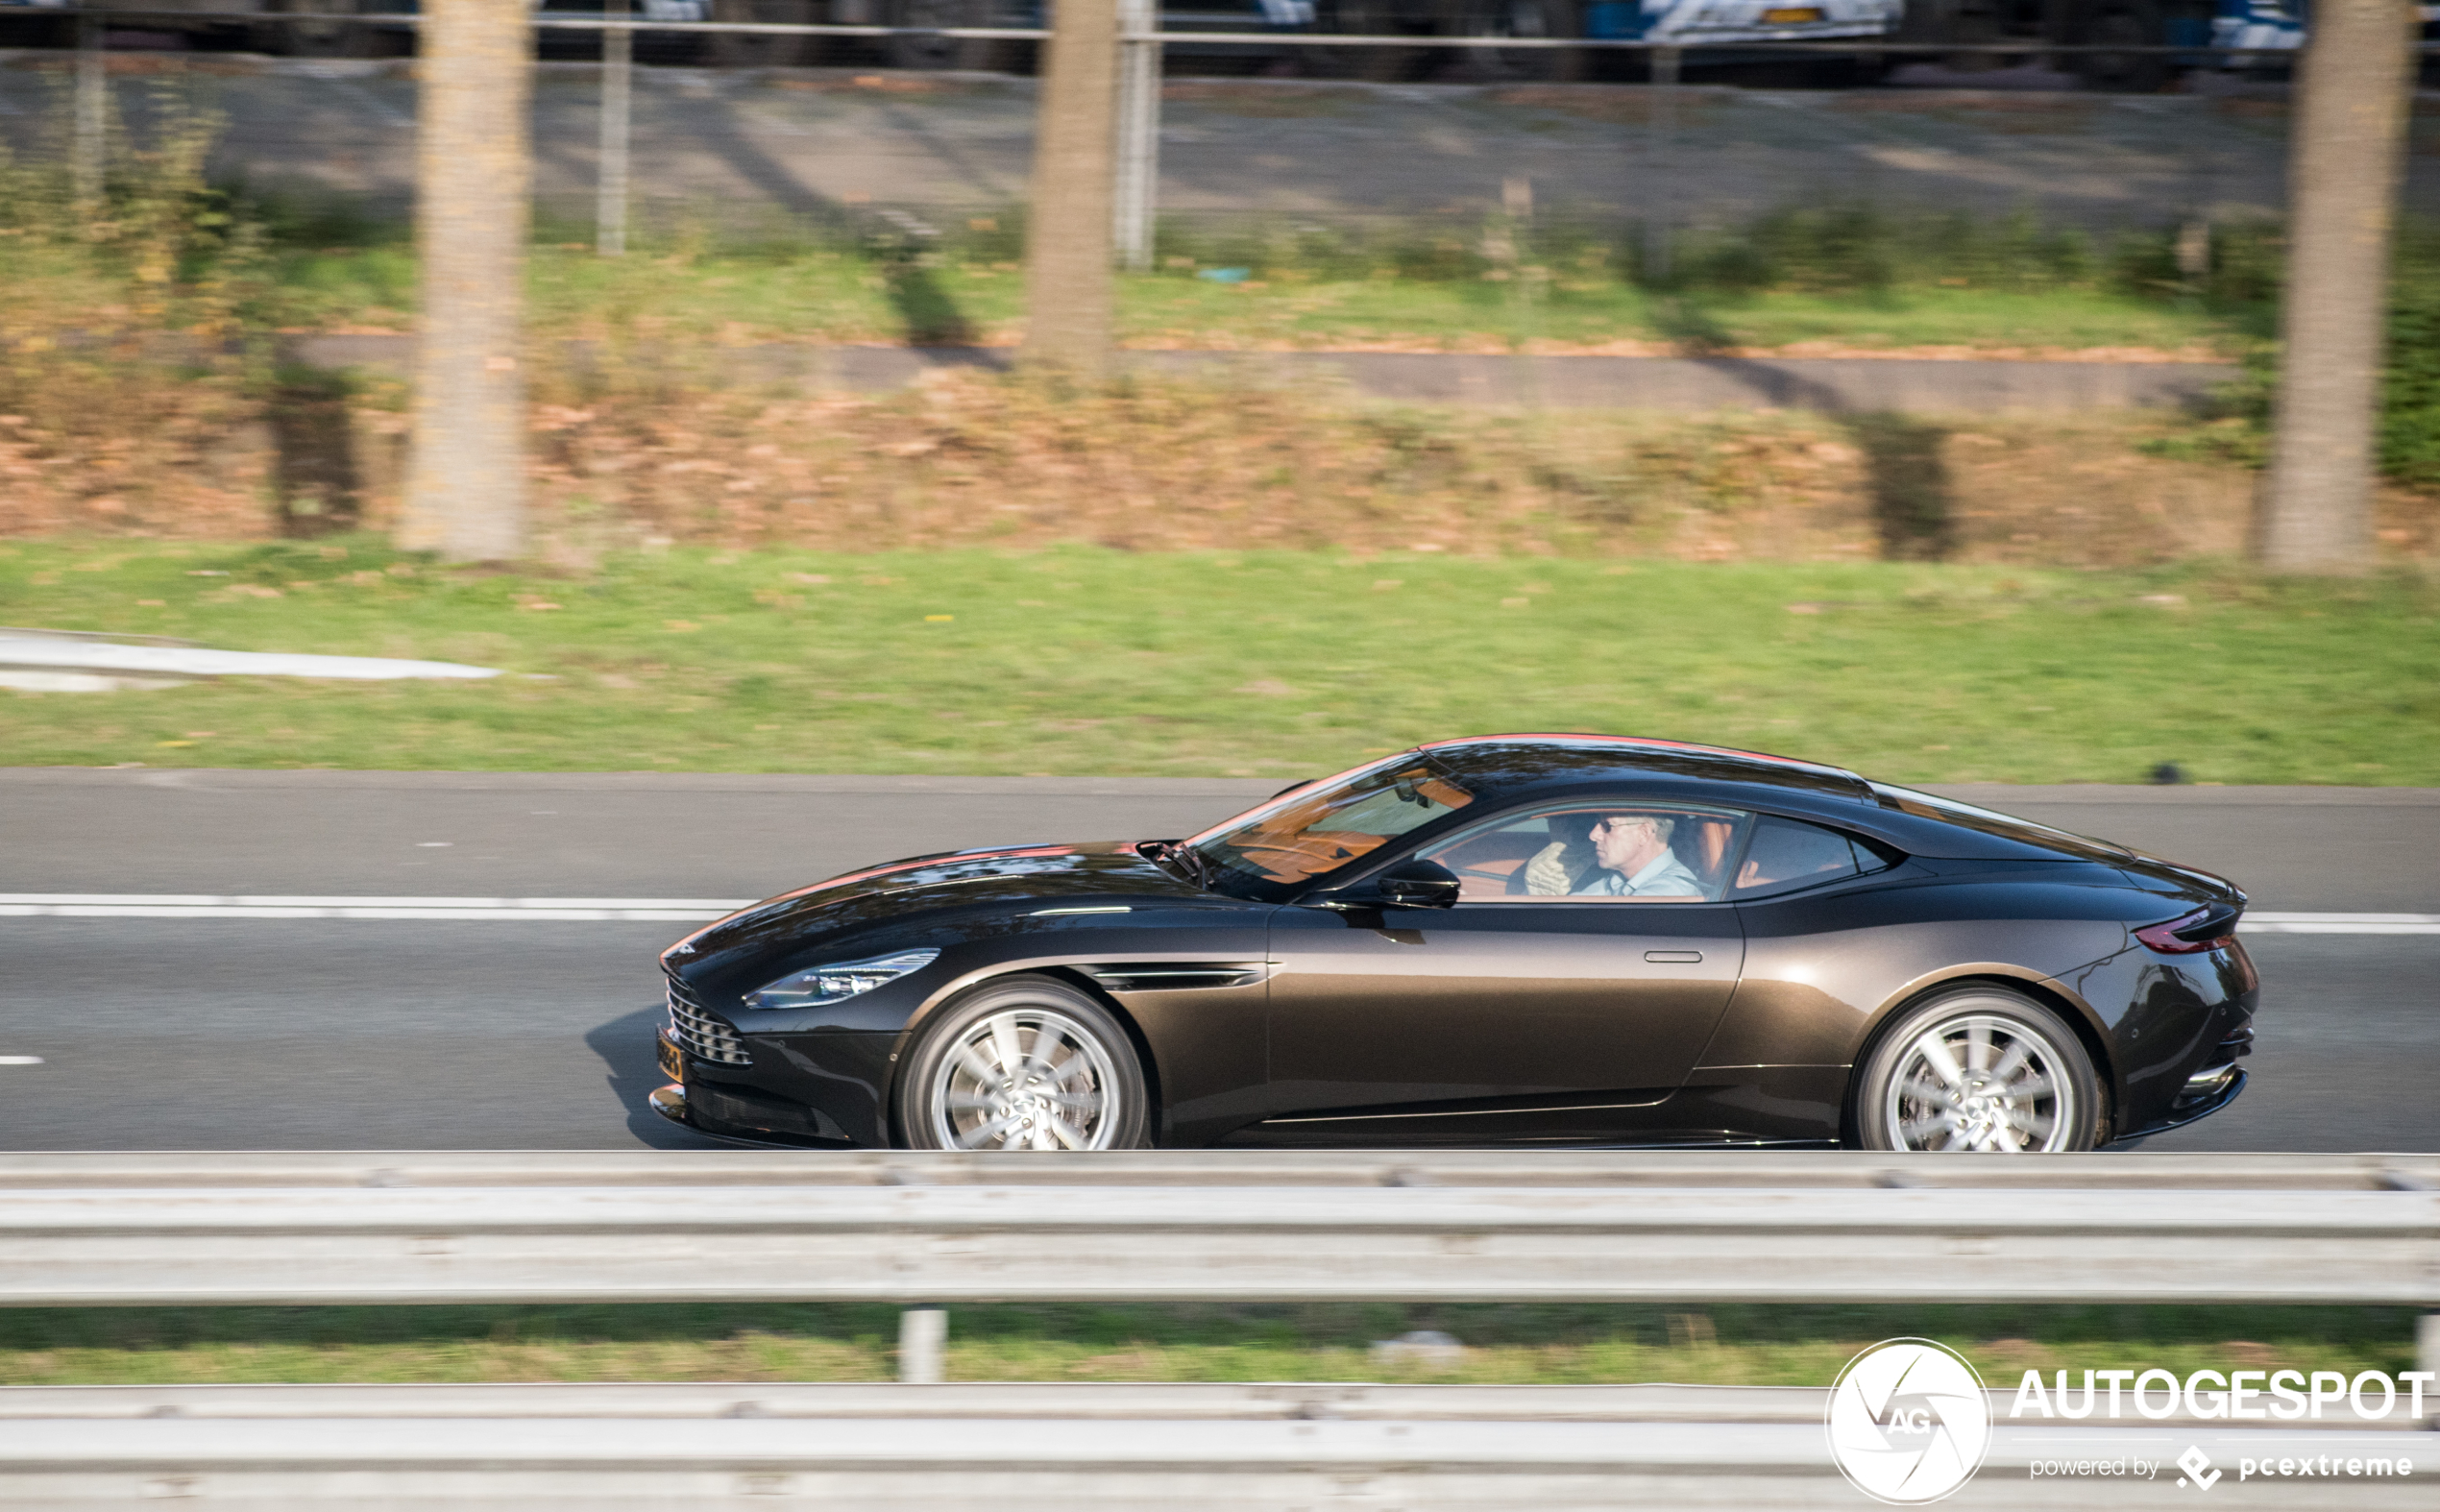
x,y
742,144
215,1033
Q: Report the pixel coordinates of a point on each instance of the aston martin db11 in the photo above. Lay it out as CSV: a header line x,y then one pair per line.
x,y
1544,940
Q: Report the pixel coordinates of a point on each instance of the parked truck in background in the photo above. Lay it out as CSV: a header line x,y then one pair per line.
x,y
2276,26
256,24
2273,28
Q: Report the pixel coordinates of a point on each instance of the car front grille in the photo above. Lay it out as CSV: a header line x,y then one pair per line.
x,y
705,1036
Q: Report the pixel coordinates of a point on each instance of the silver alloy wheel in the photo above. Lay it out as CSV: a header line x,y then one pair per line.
x,y
1982,1082
1026,1079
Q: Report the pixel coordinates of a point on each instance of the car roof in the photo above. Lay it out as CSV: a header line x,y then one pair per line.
x,y
1533,759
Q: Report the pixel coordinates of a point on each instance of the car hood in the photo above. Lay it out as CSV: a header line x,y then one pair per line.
x,y
921,884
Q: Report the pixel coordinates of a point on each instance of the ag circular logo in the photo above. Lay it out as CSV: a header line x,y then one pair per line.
x,y
1909,1422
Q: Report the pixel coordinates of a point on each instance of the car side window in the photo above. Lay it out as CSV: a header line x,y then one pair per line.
x,y
1629,851
1786,854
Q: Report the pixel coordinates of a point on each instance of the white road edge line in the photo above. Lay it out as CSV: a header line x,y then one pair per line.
x,y
21,1059
687,910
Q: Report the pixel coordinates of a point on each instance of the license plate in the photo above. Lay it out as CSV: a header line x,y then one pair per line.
x,y
1791,15
673,1060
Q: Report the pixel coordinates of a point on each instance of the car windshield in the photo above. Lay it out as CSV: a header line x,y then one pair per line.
x,y
1318,829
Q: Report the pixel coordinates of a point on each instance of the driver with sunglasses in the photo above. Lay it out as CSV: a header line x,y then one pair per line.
x,y
1631,858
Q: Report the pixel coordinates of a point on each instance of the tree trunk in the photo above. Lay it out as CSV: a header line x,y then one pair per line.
x,y
2344,159
1067,276
466,477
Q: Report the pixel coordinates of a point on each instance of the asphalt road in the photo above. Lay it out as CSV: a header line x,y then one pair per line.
x,y
344,1034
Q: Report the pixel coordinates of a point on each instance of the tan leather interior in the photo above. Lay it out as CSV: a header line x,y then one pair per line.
x,y
1491,864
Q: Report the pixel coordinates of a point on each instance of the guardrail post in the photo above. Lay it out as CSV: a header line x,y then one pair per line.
x,y
1138,186
922,1332
610,192
87,151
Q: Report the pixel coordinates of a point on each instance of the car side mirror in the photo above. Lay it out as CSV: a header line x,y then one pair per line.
x,y
1418,883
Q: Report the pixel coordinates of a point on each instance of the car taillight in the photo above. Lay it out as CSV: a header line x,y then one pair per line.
x,y
2205,929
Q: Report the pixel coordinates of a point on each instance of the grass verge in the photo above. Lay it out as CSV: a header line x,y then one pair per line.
x,y
1736,1345
1083,660
808,290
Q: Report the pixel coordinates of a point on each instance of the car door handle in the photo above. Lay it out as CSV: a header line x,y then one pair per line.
x,y
1674,957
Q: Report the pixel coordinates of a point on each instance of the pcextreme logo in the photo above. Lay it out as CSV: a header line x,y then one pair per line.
x,y
1909,1422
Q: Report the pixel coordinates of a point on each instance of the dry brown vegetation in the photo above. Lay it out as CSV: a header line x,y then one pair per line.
x,y
971,458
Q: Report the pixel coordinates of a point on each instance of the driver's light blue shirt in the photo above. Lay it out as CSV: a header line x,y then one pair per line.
x,y
1663,876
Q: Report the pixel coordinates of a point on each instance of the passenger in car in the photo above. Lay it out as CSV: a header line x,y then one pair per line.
x,y
1631,858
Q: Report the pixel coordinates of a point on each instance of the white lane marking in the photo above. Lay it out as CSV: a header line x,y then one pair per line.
x,y
21,1059
190,904
2277,924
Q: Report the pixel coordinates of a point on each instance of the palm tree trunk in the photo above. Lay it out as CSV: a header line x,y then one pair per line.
x,y
1067,282
2344,160
466,475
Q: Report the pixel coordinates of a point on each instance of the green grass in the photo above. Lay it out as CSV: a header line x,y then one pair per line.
x,y
830,295
1081,660
1737,1345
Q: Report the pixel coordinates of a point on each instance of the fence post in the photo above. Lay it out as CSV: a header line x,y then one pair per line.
x,y
1663,138
87,153
1138,186
921,1333
610,192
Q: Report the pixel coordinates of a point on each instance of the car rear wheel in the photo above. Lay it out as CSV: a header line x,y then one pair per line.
x,y
1981,1069
1025,1064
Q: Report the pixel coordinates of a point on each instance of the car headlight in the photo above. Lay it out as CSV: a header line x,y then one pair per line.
x,y
829,983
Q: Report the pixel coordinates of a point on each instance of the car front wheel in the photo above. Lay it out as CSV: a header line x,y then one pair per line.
x,y
1025,1064
1978,1069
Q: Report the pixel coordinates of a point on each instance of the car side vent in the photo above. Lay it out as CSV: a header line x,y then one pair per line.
x,y
1172,976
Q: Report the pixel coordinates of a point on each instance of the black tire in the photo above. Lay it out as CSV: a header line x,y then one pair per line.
x,y
751,50
2129,23
339,38
1906,1100
1381,64
1086,1090
1508,18
926,50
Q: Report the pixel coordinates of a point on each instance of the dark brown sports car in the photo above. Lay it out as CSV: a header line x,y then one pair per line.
x,y
1514,939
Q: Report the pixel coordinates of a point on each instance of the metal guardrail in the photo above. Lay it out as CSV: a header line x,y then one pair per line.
x,y
1487,1449
1178,1226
